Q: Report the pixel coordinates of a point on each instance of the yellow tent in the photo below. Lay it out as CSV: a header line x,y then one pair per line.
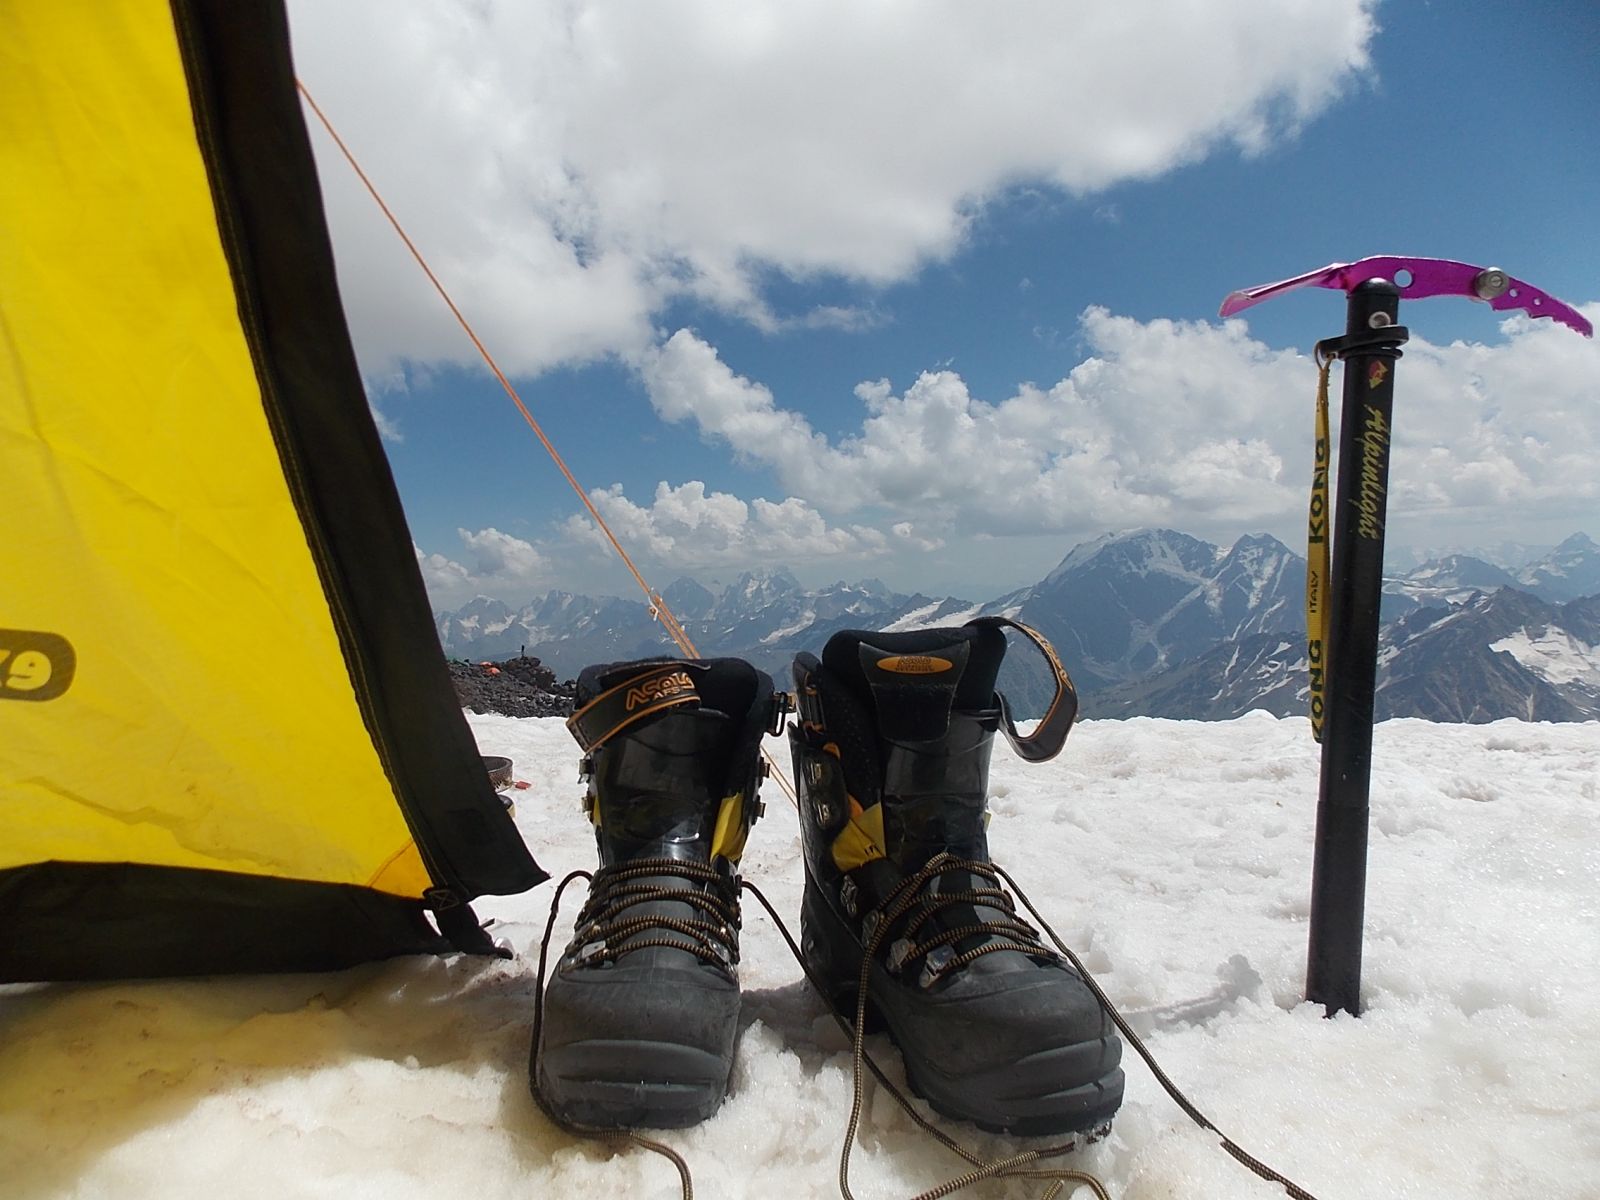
x,y
228,740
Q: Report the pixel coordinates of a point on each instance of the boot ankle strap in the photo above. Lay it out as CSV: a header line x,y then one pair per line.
x,y
1050,734
663,687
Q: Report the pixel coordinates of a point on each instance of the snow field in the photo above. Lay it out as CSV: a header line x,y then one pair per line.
x,y
1173,856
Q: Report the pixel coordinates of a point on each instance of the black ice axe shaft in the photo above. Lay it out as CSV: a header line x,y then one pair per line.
x,y
1370,350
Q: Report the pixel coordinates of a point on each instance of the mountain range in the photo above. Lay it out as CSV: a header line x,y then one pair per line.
x,y
1152,622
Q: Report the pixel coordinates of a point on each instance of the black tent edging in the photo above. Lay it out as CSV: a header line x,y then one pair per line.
x,y
269,211
98,921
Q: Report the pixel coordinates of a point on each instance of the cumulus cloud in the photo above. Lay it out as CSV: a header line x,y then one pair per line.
x,y
570,167
907,533
1191,424
1502,429
685,527
442,575
1194,425
501,554
496,563
687,380
387,429
1147,429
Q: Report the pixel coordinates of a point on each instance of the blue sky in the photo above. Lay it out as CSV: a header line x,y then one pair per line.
x,y
929,293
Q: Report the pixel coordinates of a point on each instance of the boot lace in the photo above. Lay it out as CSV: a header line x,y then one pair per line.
x,y
609,927
1026,1164
915,905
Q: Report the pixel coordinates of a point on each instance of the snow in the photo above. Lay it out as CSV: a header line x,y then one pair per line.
x,y
1174,856
930,616
1261,578
805,621
1079,555
1554,655
1227,672
917,618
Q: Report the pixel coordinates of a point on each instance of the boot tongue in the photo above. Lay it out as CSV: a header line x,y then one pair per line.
x,y
913,680
913,693
661,801
664,784
657,827
935,793
933,701
934,757
919,827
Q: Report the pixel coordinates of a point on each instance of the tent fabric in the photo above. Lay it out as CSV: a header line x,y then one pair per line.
x,y
224,713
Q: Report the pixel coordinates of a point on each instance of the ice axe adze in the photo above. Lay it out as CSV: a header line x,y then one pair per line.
x,y
1343,652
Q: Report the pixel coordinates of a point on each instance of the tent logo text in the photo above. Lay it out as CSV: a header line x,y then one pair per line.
x,y
34,666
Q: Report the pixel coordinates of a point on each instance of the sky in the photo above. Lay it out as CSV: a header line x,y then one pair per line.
x,y
1173,856
928,293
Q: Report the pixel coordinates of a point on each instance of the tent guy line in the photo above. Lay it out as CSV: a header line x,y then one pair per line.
x,y
659,608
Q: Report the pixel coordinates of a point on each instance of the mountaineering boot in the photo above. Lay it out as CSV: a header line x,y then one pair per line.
x,y
891,759
642,1010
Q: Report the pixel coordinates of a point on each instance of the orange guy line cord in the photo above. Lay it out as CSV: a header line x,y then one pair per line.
x,y
658,606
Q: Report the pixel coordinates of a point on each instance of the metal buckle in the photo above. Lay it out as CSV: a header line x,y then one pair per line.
x,y
782,706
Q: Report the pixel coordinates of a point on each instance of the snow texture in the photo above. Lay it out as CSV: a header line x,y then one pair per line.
x,y
1174,856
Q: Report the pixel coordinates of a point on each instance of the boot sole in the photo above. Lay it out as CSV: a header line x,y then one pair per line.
x,y
1028,1111
1016,1098
625,1084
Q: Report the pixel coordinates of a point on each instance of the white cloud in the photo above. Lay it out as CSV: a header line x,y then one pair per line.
x,y
387,429
500,554
687,380
442,575
907,533
1193,425
1144,432
1189,424
498,564
685,528
1504,430
570,166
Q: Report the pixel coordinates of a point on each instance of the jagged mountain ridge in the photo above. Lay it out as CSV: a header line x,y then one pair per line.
x,y
1126,606
1116,608
1569,572
765,617
1147,618
1499,654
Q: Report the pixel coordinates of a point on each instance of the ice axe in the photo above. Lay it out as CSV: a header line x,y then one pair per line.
x,y
1342,608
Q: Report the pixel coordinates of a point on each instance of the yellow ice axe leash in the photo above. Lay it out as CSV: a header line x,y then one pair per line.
x,y
1317,569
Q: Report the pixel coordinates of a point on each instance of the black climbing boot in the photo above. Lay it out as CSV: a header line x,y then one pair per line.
x,y
642,1009
891,758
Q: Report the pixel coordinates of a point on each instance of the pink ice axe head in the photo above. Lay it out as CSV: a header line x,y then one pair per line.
x,y
1426,277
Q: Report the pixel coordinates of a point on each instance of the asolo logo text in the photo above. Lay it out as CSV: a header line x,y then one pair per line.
x,y
653,690
915,664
